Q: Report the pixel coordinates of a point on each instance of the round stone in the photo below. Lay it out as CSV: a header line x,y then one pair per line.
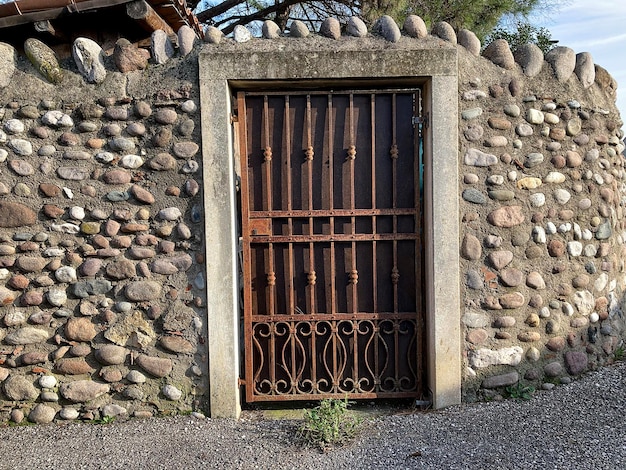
x,y
171,392
136,377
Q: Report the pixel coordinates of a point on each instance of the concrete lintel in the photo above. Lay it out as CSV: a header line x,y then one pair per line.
x,y
221,249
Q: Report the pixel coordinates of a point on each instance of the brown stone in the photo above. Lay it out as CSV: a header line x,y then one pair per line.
x,y
156,366
471,248
128,57
535,280
32,297
534,252
116,177
30,264
532,320
557,133
33,357
556,248
499,123
110,374
507,216
13,214
499,259
52,211
162,162
176,344
558,161
573,159
512,277
122,269
80,391
536,301
49,190
18,281
133,228
512,300
504,322
142,194
90,267
80,329
528,336
477,336
556,344
140,291
73,367
580,281
111,227
162,138
576,362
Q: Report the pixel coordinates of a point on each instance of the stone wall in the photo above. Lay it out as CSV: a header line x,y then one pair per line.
x,y
102,249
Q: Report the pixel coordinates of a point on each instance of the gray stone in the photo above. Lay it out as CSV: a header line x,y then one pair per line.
x,y
110,354
475,157
270,30
73,173
136,377
469,41
530,58
213,35
297,29
176,344
471,113
186,39
471,249
27,335
331,28
141,291
19,388
500,54
563,62
42,414
501,195
89,58
8,61
114,410
387,28
162,47
604,230
576,362
84,289
44,60
185,149
356,27
474,196
585,69
81,391
553,369
444,31
21,147
69,414
66,274
475,319
503,380
171,393
415,27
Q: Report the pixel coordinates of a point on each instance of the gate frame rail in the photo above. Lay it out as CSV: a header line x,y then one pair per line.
x,y
435,70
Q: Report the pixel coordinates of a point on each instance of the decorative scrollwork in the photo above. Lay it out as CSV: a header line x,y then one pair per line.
x,y
351,152
311,278
308,154
271,278
393,152
353,277
267,154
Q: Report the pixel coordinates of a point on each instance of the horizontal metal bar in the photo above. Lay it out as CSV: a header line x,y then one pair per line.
x,y
357,237
322,317
320,396
356,91
333,213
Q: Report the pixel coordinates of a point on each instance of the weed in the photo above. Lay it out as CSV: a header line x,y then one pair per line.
x,y
519,391
329,424
619,352
104,420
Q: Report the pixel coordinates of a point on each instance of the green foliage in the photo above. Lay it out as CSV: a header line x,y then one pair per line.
x,y
519,391
104,420
329,424
524,33
618,354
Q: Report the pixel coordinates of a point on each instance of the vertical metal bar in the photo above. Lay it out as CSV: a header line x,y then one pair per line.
x,y
419,259
247,265
373,156
268,206
309,154
289,285
331,130
394,184
354,274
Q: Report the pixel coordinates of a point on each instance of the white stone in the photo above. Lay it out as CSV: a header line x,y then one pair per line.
x,y
241,34
587,234
574,248
170,213
136,377
601,282
14,126
544,312
578,234
551,118
534,116
189,107
68,193
496,180
72,229
590,251
65,274
69,414
4,274
171,393
562,196
539,235
489,357
131,161
77,213
564,228
594,317
533,354
3,155
47,381
550,228
537,199
584,302
57,118
105,157
512,175
57,297
598,178
554,177
53,252
89,58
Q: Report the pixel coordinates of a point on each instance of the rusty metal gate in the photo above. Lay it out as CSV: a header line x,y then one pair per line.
x,y
332,257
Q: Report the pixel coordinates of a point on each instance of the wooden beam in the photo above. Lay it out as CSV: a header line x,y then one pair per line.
x,y
149,19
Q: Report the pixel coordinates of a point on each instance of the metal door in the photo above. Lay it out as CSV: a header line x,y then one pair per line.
x,y
332,256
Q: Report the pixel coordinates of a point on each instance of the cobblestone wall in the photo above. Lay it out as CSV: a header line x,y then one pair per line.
x,y
101,245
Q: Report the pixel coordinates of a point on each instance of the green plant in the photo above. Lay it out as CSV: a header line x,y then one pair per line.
x,y
104,420
329,424
519,391
618,354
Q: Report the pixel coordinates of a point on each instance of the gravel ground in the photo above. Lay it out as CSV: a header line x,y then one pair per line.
x,y
577,426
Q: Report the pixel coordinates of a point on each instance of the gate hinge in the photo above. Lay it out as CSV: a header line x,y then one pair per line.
x,y
423,120
241,382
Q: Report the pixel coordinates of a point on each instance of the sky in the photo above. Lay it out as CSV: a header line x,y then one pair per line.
x,y
597,27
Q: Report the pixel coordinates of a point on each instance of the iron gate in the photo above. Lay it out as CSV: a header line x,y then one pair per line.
x,y
332,256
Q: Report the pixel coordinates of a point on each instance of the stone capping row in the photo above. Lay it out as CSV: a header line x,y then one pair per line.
x,y
563,60
89,56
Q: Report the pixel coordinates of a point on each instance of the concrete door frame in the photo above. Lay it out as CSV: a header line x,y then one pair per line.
x,y
221,71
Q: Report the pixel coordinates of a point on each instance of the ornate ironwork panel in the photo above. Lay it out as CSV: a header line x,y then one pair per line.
x,y
332,254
